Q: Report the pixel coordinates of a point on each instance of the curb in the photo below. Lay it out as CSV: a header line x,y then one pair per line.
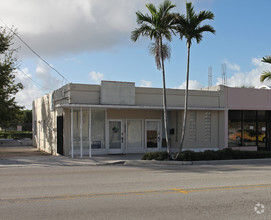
x,y
232,162
60,161
156,162
203,162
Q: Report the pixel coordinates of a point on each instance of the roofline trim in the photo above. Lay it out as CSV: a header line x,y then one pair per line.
x,y
135,107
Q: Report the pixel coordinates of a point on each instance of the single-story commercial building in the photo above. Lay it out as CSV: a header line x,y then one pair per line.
x,y
118,118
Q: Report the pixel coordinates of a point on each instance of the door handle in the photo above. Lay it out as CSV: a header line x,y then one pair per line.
x,y
121,139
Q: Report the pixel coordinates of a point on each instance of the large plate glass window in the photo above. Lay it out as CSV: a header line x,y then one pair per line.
x,y
97,129
235,128
134,134
152,130
115,136
76,132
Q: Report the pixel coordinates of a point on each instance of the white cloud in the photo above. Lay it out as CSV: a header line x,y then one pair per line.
x,y
232,66
29,92
193,84
145,83
248,79
46,79
96,76
56,27
35,85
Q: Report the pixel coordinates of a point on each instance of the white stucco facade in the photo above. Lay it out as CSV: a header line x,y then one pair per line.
x,y
116,117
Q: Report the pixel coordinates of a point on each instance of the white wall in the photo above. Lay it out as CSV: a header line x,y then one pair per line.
x,y
45,119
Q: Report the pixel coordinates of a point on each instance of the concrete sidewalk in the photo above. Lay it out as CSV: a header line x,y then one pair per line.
x,y
127,160
12,154
49,160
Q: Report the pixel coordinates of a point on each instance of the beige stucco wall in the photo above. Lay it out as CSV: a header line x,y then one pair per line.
x,y
133,114
248,99
66,131
81,94
78,94
91,94
45,120
117,93
217,100
175,98
201,139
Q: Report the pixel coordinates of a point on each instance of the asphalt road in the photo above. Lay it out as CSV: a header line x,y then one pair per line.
x,y
136,192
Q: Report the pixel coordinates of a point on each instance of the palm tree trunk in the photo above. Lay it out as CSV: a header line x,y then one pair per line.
x,y
185,101
164,99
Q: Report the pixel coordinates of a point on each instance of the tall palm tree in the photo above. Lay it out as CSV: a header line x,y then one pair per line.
x,y
266,75
158,25
190,27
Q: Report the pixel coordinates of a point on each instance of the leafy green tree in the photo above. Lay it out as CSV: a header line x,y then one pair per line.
x,y
266,75
8,86
157,26
190,27
24,116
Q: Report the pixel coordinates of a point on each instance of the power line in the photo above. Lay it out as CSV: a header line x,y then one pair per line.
x,y
34,51
34,80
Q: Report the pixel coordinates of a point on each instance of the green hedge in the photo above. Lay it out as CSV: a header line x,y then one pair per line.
x,y
15,135
225,154
155,156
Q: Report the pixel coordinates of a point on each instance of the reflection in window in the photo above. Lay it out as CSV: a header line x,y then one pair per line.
x,y
97,129
249,128
134,134
262,128
76,132
152,128
85,132
235,134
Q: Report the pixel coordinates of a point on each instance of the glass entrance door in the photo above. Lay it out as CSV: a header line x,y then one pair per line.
x,y
115,136
134,134
152,134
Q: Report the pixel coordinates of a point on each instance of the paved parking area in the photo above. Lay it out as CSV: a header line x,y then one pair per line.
x,y
18,148
22,153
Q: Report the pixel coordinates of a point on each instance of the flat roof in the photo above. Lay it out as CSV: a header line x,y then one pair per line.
x,y
135,107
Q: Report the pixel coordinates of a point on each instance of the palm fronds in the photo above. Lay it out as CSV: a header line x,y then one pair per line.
x,y
189,25
155,50
266,75
266,59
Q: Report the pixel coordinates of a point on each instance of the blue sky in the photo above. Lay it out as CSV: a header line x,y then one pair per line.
x,y
89,40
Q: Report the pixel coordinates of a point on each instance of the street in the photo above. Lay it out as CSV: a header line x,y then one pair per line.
x,y
136,192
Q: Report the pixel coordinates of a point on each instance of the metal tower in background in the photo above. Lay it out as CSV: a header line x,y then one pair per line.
x,y
210,76
224,73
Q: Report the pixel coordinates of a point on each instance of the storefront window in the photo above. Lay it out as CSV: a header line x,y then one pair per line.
x,y
247,128
249,133
85,132
97,129
152,130
235,130
76,132
262,129
134,134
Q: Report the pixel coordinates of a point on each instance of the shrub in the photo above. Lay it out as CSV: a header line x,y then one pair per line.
x,y
16,135
224,154
155,156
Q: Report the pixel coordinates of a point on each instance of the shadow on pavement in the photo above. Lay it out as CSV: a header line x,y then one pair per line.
x,y
16,153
